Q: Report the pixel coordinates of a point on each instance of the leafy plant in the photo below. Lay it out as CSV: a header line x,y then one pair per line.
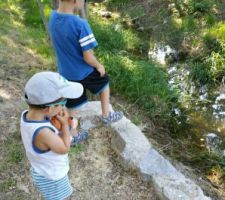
x,y
203,6
217,64
200,73
77,149
118,2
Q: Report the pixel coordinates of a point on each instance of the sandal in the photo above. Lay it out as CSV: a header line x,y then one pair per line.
x,y
81,137
113,117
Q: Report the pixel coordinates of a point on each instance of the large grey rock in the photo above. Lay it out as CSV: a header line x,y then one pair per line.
x,y
136,152
90,109
129,142
168,181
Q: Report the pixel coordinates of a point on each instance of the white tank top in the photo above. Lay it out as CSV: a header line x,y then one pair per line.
x,y
46,163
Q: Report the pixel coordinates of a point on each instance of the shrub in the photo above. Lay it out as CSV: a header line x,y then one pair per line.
x,y
200,73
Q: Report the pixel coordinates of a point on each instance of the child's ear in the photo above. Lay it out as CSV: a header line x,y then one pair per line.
x,y
47,110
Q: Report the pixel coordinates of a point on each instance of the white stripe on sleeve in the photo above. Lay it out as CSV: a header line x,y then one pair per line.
x,y
87,42
86,38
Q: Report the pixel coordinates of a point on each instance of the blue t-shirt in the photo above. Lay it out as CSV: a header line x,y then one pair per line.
x,y
71,36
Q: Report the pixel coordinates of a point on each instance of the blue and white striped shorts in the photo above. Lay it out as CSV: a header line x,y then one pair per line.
x,y
51,189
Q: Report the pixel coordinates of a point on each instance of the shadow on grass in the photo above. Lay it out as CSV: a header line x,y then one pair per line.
x,y
180,24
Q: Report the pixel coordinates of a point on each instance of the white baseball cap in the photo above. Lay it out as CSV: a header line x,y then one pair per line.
x,y
47,87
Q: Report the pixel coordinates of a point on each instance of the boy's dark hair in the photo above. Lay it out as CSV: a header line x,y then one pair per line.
x,y
42,106
39,107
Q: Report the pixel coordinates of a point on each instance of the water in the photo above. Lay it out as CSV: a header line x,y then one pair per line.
x,y
205,108
160,52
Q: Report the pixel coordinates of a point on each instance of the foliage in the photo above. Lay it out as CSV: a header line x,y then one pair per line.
x,y
141,82
200,73
12,156
118,2
194,6
217,31
111,39
15,150
5,185
211,43
137,79
203,6
77,149
217,64
25,13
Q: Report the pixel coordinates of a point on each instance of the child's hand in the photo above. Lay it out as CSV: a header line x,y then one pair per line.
x,y
74,123
101,70
63,117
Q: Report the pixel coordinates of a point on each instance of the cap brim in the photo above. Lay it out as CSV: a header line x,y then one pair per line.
x,y
72,91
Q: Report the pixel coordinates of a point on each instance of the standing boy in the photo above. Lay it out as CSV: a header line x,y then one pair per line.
x,y
46,148
73,41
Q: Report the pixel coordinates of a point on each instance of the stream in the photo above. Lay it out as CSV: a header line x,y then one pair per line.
x,y
204,107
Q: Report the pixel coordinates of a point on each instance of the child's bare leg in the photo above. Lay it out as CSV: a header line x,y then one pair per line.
x,y
74,124
104,97
77,136
108,117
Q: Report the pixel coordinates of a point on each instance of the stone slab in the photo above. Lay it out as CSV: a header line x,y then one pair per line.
x,y
137,153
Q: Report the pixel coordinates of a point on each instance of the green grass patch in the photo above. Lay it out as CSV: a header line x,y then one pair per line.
x,y
136,120
218,31
118,2
36,39
111,40
132,75
140,81
24,18
77,149
14,148
200,73
13,153
7,184
135,78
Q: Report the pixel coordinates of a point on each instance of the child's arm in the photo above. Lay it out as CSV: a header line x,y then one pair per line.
x,y
46,139
90,58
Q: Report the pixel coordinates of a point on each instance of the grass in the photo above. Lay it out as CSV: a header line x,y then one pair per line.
x,y
119,51
12,151
195,27
7,185
184,25
134,77
77,149
200,73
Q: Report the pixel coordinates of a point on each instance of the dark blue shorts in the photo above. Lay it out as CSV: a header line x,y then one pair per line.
x,y
94,83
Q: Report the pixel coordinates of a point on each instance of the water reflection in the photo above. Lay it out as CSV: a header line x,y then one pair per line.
x,y
205,109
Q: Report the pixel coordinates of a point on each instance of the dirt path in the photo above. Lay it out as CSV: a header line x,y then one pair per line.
x,y
94,172
97,174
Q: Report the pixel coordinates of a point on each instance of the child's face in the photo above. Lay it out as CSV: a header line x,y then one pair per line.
x,y
56,108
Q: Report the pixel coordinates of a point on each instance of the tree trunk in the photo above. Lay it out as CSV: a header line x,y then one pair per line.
x,y
55,4
84,11
41,8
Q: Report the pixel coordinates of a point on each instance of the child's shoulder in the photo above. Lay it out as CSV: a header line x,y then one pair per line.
x,y
67,16
79,20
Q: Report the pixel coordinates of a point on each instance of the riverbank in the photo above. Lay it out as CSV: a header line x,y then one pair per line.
x,y
125,40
